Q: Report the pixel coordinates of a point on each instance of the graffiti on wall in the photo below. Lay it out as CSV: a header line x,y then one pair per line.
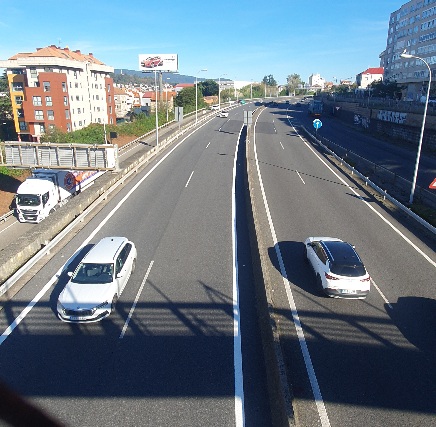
x,y
392,116
361,121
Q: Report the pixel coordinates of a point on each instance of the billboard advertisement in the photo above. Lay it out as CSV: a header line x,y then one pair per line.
x,y
159,62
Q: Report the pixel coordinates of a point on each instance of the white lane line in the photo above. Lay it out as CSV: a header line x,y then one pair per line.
x,y
10,225
126,324
189,179
41,293
207,146
282,145
298,173
322,411
417,249
237,340
381,294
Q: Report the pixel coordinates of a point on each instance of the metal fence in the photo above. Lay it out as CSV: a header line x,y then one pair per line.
x,y
389,181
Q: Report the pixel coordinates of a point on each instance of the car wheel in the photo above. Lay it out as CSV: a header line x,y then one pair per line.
x,y
114,302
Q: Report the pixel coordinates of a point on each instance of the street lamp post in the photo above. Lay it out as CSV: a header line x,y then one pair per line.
x,y
155,107
166,96
418,156
196,94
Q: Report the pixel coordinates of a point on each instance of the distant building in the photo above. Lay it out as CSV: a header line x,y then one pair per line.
x,y
316,81
365,78
412,28
58,88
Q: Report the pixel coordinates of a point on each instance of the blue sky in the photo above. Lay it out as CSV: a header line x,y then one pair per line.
x,y
238,40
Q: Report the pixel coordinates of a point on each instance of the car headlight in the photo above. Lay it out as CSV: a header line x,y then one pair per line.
x,y
103,304
60,307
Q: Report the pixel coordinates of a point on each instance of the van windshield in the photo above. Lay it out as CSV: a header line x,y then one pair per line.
x,y
28,200
91,273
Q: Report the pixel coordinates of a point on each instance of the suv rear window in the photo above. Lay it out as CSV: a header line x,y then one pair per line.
x,y
347,270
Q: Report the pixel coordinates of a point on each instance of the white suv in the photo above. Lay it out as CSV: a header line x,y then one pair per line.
x,y
98,281
339,271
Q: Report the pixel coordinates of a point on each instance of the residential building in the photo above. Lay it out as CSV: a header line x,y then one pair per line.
x,y
58,88
316,81
365,78
412,28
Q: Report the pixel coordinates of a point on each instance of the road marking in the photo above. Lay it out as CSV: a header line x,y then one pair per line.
x,y
189,179
417,249
322,412
381,293
298,173
10,225
126,324
207,146
282,145
237,340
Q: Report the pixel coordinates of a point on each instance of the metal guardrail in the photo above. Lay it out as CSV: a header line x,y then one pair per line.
x,y
367,181
5,216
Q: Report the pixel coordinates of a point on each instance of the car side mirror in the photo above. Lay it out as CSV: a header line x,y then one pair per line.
x,y
69,273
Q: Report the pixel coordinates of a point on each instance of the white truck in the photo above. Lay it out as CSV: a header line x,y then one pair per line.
x,y
47,189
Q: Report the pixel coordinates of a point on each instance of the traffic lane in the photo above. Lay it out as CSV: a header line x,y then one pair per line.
x,y
399,159
197,319
294,225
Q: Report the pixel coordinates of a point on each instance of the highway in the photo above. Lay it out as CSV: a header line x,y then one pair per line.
x,y
183,346
350,362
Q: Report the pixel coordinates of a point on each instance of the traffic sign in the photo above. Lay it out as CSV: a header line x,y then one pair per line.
x,y
317,123
432,186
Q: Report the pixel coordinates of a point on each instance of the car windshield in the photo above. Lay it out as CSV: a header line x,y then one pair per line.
x,y
93,273
348,270
28,200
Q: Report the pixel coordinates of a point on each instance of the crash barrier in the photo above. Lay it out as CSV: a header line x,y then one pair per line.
x,y
18,257
384,177
398,184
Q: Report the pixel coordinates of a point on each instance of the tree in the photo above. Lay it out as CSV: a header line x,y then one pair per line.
x,y
208,87
5,99
386,89
293,83
186,99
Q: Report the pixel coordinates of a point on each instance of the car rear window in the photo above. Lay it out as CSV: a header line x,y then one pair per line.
x,y
348,270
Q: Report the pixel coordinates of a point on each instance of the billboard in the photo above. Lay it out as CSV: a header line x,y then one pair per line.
x,y
159,62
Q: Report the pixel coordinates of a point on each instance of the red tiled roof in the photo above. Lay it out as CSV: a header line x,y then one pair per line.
x,y
375,70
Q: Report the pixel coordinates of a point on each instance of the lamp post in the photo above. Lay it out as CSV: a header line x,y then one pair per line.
x,y
418,156
166,96
155,107
196,94
219,91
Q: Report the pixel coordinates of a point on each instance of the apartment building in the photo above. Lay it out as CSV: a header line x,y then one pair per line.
x,y
55,87
412,28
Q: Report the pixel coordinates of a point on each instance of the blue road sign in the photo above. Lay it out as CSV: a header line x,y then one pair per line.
x,y
317,123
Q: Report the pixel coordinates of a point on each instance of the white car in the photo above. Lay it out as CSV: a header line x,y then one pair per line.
x,y
98,281
223,113
339,271
215,107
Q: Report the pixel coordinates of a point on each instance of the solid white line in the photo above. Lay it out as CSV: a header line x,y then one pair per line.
x,y
237,341
417,249
189,179
10,225
126,324
322,412
282,145
40,294
381,294
298,173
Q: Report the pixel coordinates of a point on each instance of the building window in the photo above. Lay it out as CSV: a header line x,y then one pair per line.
x,y
39,115
108,88
68,127
48,101
46,86
77,98
65,100
64,86
97,97
80,122
48,69
23,125
33,72
19,100
17,87
76,85
50,114
37,100
67,114
110,109
79,111
99,120
110,99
